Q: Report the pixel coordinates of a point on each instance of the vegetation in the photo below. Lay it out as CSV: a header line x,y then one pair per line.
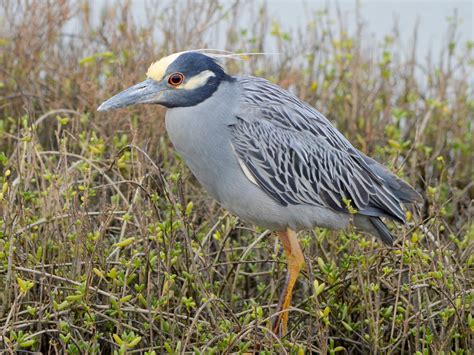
x,y
108,244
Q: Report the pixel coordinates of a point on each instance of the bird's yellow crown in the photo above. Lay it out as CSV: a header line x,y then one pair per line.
x,y
157,70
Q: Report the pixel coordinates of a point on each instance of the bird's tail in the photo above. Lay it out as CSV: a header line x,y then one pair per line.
x,y
374,226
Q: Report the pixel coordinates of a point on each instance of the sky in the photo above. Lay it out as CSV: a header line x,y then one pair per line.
x,y
381,14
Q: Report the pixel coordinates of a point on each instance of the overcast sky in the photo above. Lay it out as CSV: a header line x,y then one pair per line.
x,y
381,14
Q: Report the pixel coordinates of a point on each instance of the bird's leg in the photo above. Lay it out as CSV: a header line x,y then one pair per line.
x,y
295,262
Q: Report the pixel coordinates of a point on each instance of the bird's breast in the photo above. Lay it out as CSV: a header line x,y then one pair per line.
x,y
202,136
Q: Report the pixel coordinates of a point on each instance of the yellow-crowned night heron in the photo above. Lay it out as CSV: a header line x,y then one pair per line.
x,y
267,156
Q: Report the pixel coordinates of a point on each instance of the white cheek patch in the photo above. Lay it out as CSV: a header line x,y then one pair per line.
x,y
197,81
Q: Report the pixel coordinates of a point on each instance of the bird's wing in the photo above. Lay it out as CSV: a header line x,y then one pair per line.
x,y
295,167
263,102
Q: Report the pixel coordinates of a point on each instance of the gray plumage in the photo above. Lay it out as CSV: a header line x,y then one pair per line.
x,y
272,159
306,171
298,157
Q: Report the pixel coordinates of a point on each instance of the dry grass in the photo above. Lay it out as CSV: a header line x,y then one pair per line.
x,y
108,244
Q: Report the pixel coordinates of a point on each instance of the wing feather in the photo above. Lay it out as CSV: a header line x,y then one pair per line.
x,y
297,157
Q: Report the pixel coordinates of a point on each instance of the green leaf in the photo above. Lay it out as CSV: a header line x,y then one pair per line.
x,y
27,344
125,242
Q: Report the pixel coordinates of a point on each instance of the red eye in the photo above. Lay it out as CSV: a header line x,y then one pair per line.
x,y
175,79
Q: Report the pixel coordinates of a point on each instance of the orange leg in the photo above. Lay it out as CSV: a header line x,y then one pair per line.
x,y
295,262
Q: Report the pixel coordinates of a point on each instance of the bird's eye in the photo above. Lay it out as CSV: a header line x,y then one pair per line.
x,y
175,79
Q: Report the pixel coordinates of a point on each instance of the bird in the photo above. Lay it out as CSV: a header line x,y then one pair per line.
x,y
268,157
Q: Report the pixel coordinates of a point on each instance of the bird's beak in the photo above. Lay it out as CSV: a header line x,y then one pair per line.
x,y
146,92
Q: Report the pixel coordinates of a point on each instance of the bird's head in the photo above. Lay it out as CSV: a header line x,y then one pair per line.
x,y
179,80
